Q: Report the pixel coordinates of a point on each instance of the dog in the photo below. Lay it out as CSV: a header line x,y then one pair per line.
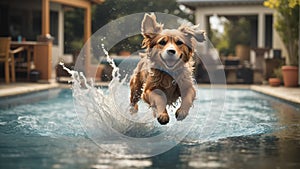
x,y
165,72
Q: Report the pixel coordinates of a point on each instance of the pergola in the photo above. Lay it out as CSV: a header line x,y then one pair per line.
x,y
84,4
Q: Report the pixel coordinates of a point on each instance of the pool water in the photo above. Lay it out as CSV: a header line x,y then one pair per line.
x,y
42,130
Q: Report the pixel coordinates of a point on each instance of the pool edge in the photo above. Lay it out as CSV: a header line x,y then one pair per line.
x,y
25,88
288,94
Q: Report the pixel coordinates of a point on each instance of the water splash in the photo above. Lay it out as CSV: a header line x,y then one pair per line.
x,y
109,123
97,109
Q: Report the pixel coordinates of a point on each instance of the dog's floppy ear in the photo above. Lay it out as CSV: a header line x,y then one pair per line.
x,y
150,28
193,31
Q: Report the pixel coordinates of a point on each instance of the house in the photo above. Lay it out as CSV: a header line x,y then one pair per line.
x,y
261,18
33,19
262,31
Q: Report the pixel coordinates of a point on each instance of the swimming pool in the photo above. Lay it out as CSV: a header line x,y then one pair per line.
x,y
42,130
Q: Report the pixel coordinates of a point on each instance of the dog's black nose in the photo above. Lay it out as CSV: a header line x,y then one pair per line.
x,y
171,52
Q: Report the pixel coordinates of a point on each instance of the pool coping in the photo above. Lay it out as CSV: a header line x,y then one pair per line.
x,y
285,93
288,94
15,89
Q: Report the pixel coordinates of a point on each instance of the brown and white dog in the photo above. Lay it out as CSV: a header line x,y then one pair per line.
x,y
165,73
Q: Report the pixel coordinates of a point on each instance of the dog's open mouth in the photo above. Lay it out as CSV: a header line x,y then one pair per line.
x,y
171,62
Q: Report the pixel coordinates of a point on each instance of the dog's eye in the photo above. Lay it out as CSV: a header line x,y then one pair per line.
x,y
179,42
162,42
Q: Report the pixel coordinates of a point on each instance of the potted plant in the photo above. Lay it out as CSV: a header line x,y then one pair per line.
x,y
287,25
276,79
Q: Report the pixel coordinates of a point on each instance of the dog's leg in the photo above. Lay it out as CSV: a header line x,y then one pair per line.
x,y
187,97
158,101
136,86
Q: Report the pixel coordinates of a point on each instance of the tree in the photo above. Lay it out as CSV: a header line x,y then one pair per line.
x,y
236,31
287,25
114,9
73,26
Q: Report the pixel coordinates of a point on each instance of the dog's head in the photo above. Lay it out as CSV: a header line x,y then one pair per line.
x,y
169,48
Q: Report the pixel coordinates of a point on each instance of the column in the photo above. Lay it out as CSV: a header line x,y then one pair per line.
x,y
87,34
261,30
200,19
45,18
87,23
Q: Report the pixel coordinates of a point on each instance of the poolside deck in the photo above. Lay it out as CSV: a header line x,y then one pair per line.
x,y
287,94
13,89
284,93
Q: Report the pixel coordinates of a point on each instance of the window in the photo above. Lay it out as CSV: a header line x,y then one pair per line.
x,y
268,31
54,26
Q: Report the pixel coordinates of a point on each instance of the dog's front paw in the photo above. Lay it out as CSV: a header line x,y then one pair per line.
x,y
181,114
133,109
163,118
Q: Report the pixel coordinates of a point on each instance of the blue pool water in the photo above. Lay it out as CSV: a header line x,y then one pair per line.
x,y
42,130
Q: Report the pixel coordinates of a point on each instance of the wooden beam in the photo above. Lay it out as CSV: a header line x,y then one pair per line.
x,y
87,23
74,3
87,35
86,5
45,18
97,1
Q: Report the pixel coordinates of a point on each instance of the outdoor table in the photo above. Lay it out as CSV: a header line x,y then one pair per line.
x,y
39,54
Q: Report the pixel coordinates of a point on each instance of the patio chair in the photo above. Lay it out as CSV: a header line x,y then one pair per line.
x,y
7,56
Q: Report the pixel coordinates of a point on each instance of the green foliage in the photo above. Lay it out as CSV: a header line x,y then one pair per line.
x,y
114,9
73,26
287,25
278,73
109,11
236,31
221,42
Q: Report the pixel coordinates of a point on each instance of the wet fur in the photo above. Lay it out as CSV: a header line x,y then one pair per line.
x,y
164,73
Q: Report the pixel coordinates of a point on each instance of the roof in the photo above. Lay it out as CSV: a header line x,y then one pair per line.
x,y
193,3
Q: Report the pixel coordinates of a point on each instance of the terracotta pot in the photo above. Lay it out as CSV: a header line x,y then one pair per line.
x,y
274,82
290,76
